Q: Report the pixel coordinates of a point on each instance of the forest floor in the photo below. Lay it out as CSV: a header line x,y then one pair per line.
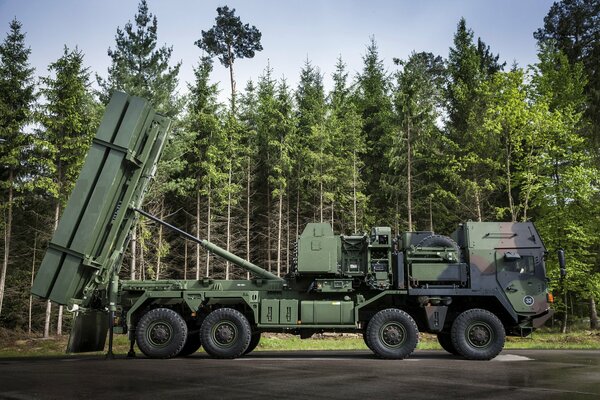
x,y
19,344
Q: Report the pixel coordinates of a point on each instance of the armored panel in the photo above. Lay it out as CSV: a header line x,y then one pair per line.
x,y
502,235
318,249
88,244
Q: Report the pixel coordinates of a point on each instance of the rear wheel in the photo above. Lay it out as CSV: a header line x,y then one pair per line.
x,y
392,334
445,341
254,340
225,333
478,334
192,344
161,333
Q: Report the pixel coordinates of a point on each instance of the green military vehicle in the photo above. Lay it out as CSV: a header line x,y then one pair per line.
x,y
472,289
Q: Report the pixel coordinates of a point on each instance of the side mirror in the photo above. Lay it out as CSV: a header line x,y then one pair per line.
x,y
562,263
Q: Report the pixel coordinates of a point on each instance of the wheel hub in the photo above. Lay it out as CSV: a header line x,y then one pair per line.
x,y
160,333
225,334
393,335
479,335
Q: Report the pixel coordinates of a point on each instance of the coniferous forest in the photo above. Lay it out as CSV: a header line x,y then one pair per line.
x,y
436,140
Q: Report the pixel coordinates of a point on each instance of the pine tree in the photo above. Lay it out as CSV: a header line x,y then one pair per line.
x,y
230,39
16,100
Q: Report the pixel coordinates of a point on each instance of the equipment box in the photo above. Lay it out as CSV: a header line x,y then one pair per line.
x,y
288,312
327,312
269,311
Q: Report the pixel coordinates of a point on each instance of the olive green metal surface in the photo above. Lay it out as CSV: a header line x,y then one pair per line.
x,y
86,249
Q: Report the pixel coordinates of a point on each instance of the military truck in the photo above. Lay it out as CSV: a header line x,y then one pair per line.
x,y
486,281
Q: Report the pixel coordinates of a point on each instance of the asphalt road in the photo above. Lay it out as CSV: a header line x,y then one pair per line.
x,y
523,374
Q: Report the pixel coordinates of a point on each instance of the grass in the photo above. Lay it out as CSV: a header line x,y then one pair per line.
x,y
14,344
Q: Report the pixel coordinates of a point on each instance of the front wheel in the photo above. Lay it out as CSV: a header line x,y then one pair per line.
x,y
392,334
478,334
161,333
225,333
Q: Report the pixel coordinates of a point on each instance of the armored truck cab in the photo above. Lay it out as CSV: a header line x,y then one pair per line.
x,y
471,289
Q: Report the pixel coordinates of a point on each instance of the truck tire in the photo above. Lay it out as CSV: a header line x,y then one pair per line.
x,y
392,334
478,335
440,241
161,333
254,340
192,344
366,339
445,340
225,333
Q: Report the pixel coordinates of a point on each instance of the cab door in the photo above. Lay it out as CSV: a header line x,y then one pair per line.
x,y
520,274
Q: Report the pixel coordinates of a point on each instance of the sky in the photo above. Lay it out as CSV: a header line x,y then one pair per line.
x,y
293,31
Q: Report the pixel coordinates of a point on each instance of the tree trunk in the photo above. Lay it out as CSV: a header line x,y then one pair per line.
x,y
133,264
228,246
208,217
298,210
185,258
142,273
321,198
279,230
268,226
60,307
7,237
47,319
478,205
33,259
593,314
159,246
248,179
431,213
511,205
409,177
197,234
287,247
231,79
565,316
354,190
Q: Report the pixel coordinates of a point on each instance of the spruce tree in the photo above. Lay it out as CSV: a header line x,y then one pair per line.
x,y
16,100
474,156
375,107
140,67
573,26
67,120
411,156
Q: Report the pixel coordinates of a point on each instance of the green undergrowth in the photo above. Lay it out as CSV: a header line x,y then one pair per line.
x,y
15,344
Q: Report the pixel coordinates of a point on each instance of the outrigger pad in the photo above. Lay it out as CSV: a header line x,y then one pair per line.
x,y
88,332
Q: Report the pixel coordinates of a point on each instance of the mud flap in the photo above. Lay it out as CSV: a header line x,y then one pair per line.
x,y
539,321
88,332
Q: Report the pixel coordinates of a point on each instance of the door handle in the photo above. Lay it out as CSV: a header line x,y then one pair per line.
x,y
511,288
